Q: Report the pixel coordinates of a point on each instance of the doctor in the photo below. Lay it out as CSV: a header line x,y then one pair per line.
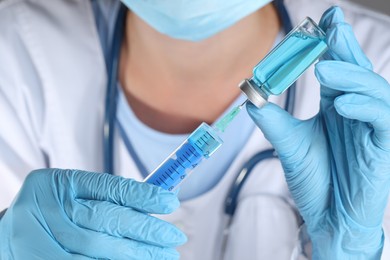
x,y
180,63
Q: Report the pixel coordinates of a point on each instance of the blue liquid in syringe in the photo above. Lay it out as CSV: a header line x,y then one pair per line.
x,y
202,143
174,170
283,65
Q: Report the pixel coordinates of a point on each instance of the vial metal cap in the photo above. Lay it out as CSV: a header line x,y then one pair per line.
x,y
253,93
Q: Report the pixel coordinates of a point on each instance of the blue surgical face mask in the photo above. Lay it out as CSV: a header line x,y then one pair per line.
x,y
193,20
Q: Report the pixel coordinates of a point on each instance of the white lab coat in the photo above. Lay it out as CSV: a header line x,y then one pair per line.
x,y
52,90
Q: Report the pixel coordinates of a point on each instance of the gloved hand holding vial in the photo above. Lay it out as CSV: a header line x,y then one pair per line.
x,y
336,163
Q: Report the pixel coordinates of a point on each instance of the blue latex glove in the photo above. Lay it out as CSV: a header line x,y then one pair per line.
x,y
337,164
70,214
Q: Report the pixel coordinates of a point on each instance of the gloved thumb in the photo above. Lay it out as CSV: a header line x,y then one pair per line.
x,y
275,123
283,131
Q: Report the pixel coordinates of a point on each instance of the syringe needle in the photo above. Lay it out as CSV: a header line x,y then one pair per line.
x,y
222,124
243,104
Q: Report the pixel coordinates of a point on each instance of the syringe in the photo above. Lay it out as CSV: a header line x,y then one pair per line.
x,y
272,76
200,144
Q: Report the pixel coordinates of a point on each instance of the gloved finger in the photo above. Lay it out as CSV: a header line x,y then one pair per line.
x,y
293,141
120,221
342,43
279,128
331,17
125,192
347,77
99,245
370,110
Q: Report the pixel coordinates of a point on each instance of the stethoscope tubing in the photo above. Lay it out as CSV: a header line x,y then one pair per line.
x,y
112,91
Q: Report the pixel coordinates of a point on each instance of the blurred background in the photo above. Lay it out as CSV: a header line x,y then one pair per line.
x,y
379,5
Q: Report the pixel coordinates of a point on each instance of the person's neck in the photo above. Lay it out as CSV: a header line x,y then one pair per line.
x,y
174,85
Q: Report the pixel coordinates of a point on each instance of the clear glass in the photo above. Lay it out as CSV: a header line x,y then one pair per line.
x,y
289,59
202,143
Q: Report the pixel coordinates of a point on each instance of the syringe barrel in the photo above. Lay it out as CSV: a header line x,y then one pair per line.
x,y
202,143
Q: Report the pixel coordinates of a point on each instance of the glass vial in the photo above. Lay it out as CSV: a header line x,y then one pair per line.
x,y
284,64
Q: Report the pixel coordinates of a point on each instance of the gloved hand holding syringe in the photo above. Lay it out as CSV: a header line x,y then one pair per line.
x,y
272,76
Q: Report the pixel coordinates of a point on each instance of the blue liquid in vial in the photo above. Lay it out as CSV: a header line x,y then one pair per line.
x,y
282,66
202,143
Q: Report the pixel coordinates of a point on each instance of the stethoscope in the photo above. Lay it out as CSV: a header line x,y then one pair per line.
x,y
231,200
